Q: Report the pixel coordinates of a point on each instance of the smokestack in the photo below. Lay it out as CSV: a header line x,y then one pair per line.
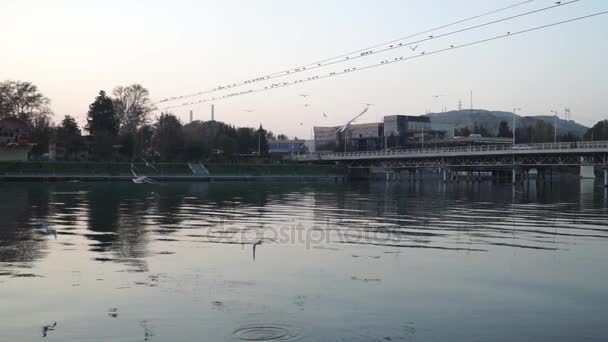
x,y
190,116
212,112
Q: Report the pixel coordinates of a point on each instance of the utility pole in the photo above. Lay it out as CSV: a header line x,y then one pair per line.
x,y
514,116
471,100
555,125
423,136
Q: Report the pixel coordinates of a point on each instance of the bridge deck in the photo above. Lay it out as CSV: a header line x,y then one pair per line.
x,y
579,148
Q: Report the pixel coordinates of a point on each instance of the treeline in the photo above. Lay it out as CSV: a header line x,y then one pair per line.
x,y
535,131
120,127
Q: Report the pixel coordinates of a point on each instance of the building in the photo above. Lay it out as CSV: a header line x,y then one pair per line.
x,y
404,130
364,137
326,139
286,147
396,132
15,135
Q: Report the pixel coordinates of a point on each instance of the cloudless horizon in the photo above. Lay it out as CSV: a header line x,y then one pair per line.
x,y
73,49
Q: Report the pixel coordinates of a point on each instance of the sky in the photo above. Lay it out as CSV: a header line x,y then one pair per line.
x,y
73,49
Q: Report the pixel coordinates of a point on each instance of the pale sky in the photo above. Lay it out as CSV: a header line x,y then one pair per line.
x,y
73,49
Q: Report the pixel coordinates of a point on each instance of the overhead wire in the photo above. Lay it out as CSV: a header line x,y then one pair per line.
x,y
387,62
320,63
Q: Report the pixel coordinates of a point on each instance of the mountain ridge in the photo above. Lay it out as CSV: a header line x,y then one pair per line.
x,y
491,119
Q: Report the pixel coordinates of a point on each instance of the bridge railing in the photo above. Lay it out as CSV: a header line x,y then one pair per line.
x,y
519,148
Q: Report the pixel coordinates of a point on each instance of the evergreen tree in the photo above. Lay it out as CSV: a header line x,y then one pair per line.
x,y
504,131
168,139
69,136
101,117
103,124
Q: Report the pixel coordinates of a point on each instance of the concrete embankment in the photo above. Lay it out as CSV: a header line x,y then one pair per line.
x,y
164,172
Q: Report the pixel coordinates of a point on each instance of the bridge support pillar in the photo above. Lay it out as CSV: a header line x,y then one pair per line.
x,y
445,175
587,172
606,176
513,176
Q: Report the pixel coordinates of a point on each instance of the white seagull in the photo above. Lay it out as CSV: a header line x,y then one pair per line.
x,y
47,230
142,179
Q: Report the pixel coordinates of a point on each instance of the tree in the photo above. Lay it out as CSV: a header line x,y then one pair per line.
x,y
462,132
23,100
262,140
599,132
69,136
168,140
282,137
504,131
132,106
102,117
42,133
103,126
143,141
537,131
481,130
246,140
195,144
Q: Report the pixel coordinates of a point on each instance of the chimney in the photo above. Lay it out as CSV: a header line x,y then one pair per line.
x,y
212,112
190,116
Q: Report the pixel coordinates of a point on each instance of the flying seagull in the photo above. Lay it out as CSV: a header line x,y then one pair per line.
x,y
345,127
47,230
260,242
324,115
249,110
149,165
47,328
304,95
142,179
413,48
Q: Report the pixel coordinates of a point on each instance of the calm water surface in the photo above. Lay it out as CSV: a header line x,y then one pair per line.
x,y
338,262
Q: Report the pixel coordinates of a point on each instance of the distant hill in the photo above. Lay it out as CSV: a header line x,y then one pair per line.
x,y
491,119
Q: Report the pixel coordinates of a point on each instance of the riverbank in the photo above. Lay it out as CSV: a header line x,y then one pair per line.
x,y
65,171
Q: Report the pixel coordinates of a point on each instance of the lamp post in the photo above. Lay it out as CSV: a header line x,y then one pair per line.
x,y
514,116
555,125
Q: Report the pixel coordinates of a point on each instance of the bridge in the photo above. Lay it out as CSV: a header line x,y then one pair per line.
x,y
520,158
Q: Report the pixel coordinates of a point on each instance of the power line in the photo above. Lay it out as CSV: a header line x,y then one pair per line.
x,y
320,63
386,62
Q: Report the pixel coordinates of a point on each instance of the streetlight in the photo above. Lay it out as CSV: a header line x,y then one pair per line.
x,y
514,116
555,125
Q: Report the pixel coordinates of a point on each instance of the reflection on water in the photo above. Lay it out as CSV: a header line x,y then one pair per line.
x,y
338,262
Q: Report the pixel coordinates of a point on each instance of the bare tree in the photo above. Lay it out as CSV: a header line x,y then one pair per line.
x,y
133,107
23,100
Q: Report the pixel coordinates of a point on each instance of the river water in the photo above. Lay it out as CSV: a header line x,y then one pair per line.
x,y
336,262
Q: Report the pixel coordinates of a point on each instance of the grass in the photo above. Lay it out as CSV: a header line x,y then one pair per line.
x,y
92,168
